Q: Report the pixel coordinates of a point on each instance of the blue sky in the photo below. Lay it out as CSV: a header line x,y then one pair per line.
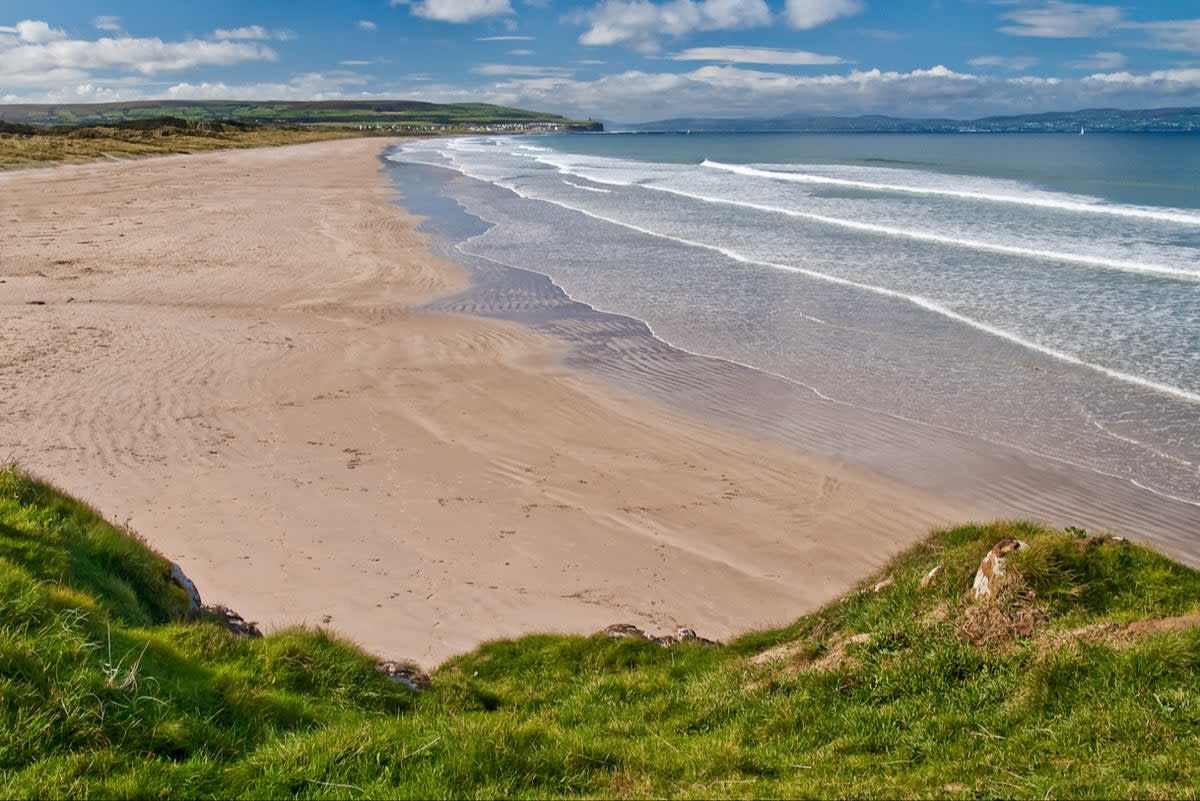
x,y
618,60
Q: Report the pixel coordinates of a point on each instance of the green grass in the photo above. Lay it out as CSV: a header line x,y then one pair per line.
x,y
107,691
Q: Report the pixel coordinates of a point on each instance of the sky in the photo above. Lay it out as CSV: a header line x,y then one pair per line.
x,y
615,60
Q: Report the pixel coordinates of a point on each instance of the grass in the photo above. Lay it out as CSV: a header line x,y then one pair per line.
x,y
22,145
107,690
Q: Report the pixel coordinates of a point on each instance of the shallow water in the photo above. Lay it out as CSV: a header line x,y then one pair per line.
x,y
1017,312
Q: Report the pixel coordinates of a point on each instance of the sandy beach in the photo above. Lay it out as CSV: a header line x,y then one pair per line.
x,y
227,352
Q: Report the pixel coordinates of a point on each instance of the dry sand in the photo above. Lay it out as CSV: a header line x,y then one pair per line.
x,y
229,357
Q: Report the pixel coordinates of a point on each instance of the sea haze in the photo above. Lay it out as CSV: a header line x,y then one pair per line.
x,y
1041,291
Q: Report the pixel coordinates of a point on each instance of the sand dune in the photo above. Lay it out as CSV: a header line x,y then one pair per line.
x,y
229,354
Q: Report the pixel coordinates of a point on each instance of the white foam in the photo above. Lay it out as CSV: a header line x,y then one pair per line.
x,y
917,300
941,239
588,188
1041,200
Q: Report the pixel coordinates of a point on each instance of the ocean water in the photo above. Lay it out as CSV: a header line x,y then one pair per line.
x,y
1036,290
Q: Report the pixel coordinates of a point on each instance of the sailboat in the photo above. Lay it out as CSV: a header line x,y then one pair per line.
x,y
1081,130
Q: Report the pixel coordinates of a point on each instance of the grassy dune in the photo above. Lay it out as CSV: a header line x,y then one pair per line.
x,y
1077,680
23,145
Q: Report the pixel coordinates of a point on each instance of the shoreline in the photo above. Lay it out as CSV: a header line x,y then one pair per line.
x,y
251,381
1038,486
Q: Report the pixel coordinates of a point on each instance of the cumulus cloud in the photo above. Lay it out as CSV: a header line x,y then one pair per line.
x,y
32,31
1014,63
367,25
307,86
736,54
1062,20
805,14
641,23
39,55
729,91
457,10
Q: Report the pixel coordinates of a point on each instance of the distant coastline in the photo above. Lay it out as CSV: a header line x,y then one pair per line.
x,y
1102,120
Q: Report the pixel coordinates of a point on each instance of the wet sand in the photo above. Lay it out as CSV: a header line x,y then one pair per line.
x,y
234,354
994,480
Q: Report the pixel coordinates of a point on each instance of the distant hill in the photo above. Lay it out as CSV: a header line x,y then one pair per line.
x,y
400,113
1095,119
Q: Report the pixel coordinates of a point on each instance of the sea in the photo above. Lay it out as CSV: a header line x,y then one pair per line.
x,y
1037,291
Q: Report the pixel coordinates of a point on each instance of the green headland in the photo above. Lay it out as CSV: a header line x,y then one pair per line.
x,y
1076,678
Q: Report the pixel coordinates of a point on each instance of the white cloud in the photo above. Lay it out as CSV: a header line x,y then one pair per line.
x,y
641,23
726,91
249,32
1099,61
32,31
805,14
107,22
521,51
1014,63
1062,20
1182,34
521,69
736,54
367,25
457,10
42,56
308,86
504,39
355,62
246,32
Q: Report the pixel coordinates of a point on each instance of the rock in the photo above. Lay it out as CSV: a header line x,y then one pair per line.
x,y
883,585
630,631
689,635
624,630
992,566
402,674
180,578
234,622
931,576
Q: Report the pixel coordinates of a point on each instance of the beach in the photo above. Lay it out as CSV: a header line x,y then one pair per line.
x,y
232,354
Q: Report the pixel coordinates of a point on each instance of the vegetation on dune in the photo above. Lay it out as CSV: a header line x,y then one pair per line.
x,y
23,145
1076,680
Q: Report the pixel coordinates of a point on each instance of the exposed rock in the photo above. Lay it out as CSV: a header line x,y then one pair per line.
x,y
630,631
402,674
992,567
689,635
624,630
234,622
180,578
931,576
883,585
